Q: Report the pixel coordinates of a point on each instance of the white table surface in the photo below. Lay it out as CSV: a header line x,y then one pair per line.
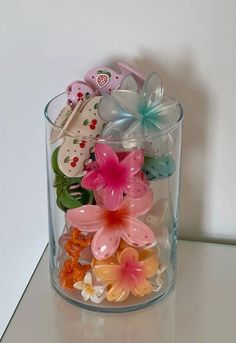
x,y
202,307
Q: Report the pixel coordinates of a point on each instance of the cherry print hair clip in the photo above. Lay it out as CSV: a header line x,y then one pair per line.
x,y
74,151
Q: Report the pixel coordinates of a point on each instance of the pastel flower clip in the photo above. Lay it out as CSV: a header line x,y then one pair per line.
x,y
95,293
128,272
72,272
112,226
131,114
111,177
155,220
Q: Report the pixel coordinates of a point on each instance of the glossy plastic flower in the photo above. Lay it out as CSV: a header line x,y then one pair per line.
x,y
74,242
128,272
71,272
88,291
131,114
111,177
154,218
112,226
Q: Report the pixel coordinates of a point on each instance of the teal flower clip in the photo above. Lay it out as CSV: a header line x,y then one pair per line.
x,y
158,168
140,117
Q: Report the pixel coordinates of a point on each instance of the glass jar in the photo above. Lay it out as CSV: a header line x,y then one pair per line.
x,y
113,207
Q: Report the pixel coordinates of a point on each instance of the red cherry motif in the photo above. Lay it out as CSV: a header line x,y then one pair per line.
x,y
82,144
80,95
73,164
93,124
75,159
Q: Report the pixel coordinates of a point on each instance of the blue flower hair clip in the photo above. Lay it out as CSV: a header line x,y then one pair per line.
x,y
140,115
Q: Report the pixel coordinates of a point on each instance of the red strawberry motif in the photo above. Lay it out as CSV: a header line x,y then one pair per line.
x,y
103,78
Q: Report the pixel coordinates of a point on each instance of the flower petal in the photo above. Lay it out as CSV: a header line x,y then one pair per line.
x,y
107,273
129,83
104,155
134,135
152,89
93,180
79,285
94,298
115,129
152,125
163,237
87,218
111,198
135,188
99,290
92,165
88,278
136,233
139,206
131,102
105,243
159,210
128,254
164,111
85,295
149,262
98,198
118,292
109,109
134,161
143,287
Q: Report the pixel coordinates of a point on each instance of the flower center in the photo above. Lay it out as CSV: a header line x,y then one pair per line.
x,y
89,288
114,175
131,271
114,219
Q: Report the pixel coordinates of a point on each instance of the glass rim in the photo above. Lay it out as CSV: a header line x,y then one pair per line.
x,y
103,140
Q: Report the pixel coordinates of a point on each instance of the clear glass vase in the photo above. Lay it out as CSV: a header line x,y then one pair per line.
x,y
113,207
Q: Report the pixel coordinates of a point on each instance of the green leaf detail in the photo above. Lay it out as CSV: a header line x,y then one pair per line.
x,y
96,106
54,162
104,72
66,197
75,141
67,159
87,95
86,122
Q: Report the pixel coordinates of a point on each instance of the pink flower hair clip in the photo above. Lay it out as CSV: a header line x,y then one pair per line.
x,y
111,177
112,226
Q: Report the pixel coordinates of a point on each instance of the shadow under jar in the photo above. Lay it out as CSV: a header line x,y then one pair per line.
x,y
113,207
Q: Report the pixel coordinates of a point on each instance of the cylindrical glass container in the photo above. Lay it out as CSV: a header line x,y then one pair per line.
x,y
113,210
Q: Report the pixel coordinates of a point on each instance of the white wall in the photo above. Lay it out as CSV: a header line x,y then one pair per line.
x,y
46,44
